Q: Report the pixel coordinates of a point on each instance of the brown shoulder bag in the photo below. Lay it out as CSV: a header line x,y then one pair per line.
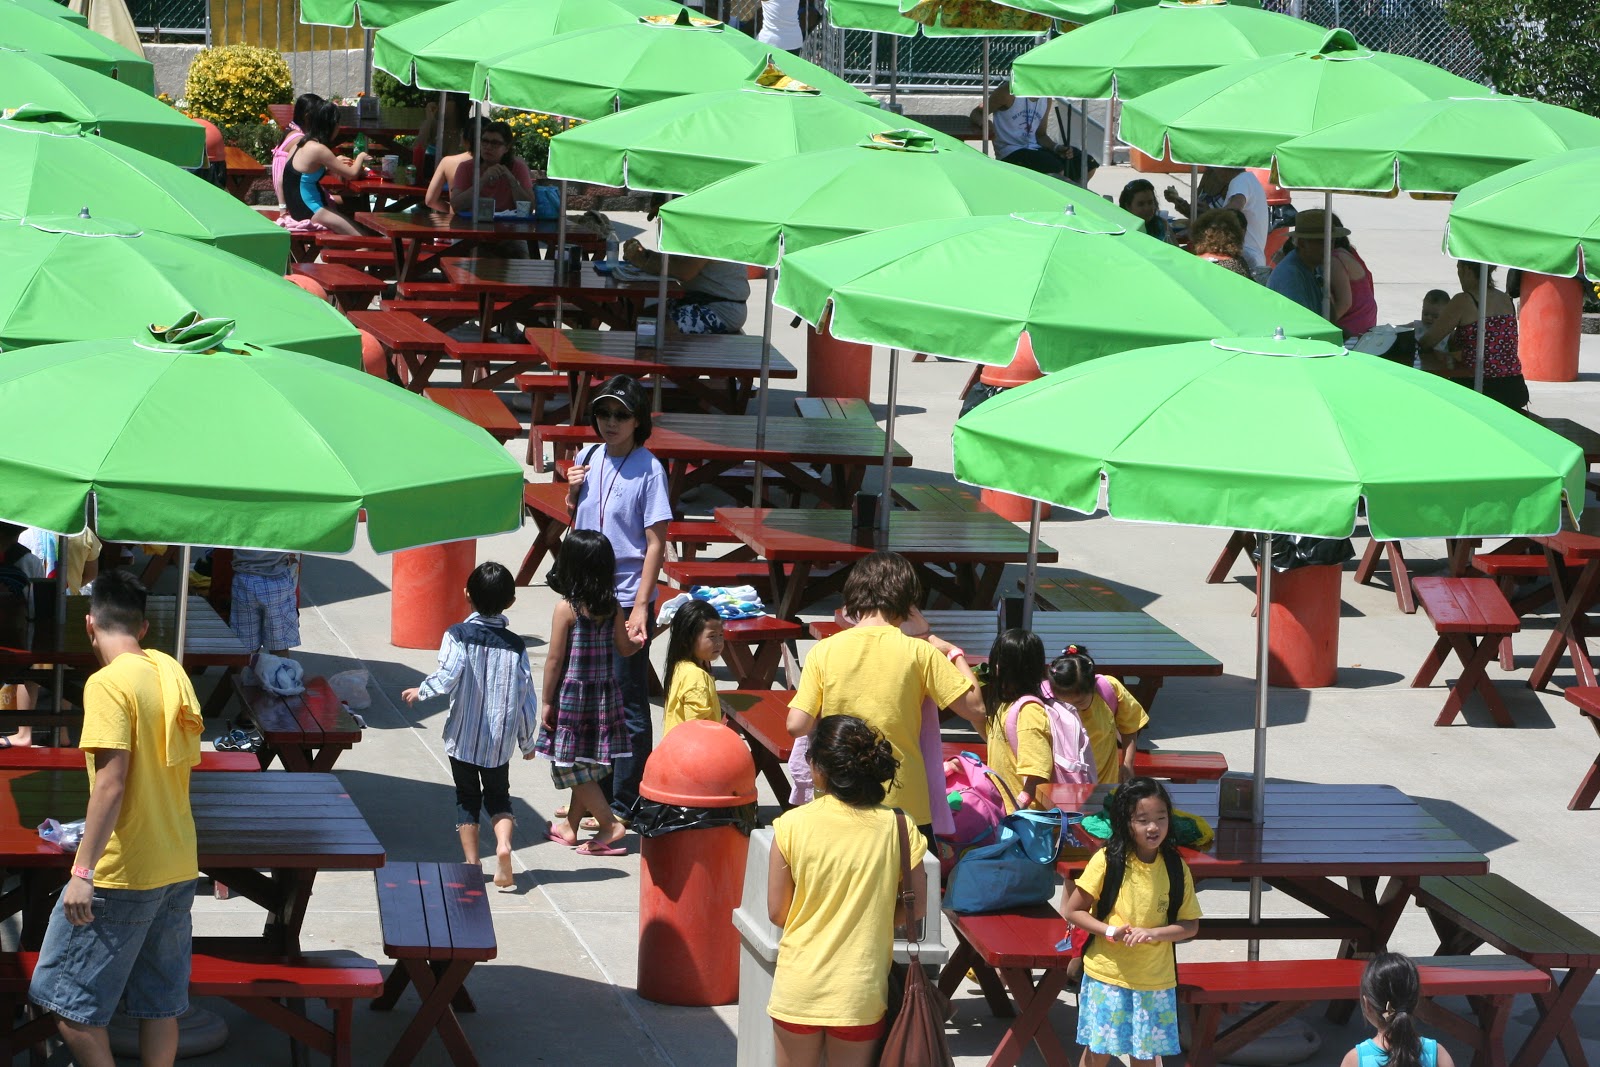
x,y
917,1037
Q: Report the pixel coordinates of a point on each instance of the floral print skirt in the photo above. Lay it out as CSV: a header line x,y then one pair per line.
x,y
1137,1023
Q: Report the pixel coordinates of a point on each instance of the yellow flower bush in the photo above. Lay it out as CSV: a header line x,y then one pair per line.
x,y
531,132
235,83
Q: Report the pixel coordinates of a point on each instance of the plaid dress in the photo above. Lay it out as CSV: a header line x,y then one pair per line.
x,y
590,727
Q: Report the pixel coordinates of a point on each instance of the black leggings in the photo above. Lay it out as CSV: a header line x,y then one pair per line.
x,y
480,789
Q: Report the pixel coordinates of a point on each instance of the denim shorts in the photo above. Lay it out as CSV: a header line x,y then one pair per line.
x,y
136,952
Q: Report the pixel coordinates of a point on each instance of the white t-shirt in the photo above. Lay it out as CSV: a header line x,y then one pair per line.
x,y
780,24
1255,215
1017,127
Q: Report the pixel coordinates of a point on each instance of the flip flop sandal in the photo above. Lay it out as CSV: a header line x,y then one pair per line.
x,y
558,839
595,848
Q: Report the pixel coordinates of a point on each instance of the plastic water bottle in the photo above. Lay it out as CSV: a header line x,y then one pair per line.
x,y
611,251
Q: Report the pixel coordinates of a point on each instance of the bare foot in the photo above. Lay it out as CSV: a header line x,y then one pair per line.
x,y
503,878
616,832
562,834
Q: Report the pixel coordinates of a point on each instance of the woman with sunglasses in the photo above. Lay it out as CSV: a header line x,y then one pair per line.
x,y
619,489
506,177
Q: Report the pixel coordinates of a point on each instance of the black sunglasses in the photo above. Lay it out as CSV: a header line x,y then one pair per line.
x,y
613,414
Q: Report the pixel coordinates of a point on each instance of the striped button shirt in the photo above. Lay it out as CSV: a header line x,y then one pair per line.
x,y
493,705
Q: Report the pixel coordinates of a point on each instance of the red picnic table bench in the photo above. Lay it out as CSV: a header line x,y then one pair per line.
x,y
525,284
349,288
37,758
307,732
414,347
1471,616
1587,700
481,407
1573,600
436,927
1469,911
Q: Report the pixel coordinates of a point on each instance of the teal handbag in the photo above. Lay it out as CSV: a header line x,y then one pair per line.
x,y
1015,871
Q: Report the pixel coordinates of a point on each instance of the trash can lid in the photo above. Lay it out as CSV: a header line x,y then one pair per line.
x,y
700,764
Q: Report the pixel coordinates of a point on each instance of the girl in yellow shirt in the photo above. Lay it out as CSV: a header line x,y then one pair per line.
x,y
831,886
1127,1003
1112,715
695,644
1016,677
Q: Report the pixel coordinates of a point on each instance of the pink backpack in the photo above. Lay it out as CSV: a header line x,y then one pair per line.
x,y
1070,751
977,805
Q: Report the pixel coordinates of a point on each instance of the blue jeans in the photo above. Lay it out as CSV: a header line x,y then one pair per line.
x,y
137,952
633,675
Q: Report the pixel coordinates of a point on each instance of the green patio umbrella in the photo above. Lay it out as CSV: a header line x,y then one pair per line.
x,y
988,16
1133,52
591,73
23,29
1079,289
47,172
39,88
69,278
784,206
372,14
1326,430
685,143
234,444
1238,114
1433,146
437,49
52,9
1541,216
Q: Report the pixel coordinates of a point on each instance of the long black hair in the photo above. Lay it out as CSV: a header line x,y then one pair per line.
x,y
1389,990
1016,669
633,397
857,764
585,573
322,122
687,626
1124,802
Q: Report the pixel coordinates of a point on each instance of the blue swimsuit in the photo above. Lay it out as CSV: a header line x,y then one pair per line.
x,y
303,197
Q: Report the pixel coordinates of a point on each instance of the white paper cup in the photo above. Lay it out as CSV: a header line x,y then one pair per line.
x,y
524,208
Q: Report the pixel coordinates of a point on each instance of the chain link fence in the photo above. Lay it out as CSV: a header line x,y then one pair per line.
x,y
174,21
1415,28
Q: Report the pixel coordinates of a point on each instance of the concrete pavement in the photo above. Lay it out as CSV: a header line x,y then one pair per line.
x,y
561,990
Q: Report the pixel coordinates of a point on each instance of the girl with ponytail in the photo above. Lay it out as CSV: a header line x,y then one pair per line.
x,y
832,883
1389,993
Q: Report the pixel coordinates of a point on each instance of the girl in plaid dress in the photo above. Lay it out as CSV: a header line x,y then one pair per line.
x,y
583,727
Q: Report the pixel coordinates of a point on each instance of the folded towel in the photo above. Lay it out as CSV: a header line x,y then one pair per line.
x,y
280,674
181,739
732,602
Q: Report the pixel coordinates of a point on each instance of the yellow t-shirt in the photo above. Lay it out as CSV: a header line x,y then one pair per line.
x,y
692,695
1142,901
881,676
153,843
1103,728
1034,755
834,956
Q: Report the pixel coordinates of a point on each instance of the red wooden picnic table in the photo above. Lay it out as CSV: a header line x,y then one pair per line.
x,y
37,758
481,407
975,546
1573,599
1127,644
522,283
411,234
208,643
264,835
583,355
381,194
703,449
388,122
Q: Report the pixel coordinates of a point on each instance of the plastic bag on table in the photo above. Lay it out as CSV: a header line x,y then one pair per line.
x,y
351,687
64,836
652,818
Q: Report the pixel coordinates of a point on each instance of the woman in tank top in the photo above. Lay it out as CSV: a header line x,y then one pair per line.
x,y
309,161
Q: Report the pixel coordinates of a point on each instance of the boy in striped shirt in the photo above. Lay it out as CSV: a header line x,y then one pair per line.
x,y
493,709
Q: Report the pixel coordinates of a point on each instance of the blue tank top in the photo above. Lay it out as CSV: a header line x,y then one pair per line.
x,y
1373,1056
303,195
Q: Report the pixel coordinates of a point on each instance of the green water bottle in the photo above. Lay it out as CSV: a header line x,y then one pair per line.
x,y
361,143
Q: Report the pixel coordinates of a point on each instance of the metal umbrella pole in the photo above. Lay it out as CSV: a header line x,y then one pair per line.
x,y
366,63
1327,256
986,96
888,443
1031,577
1483,322
1258,801
183,604
894,73
761,400
1194,196
661,303
477,161
561,247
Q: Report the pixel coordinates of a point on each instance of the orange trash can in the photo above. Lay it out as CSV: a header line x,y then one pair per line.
x,y
697,808
1548,327
1303,643
1022,369
427,592
836,368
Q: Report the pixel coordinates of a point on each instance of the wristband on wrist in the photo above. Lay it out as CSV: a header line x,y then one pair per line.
x,y
1112,932
80,871
953,653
